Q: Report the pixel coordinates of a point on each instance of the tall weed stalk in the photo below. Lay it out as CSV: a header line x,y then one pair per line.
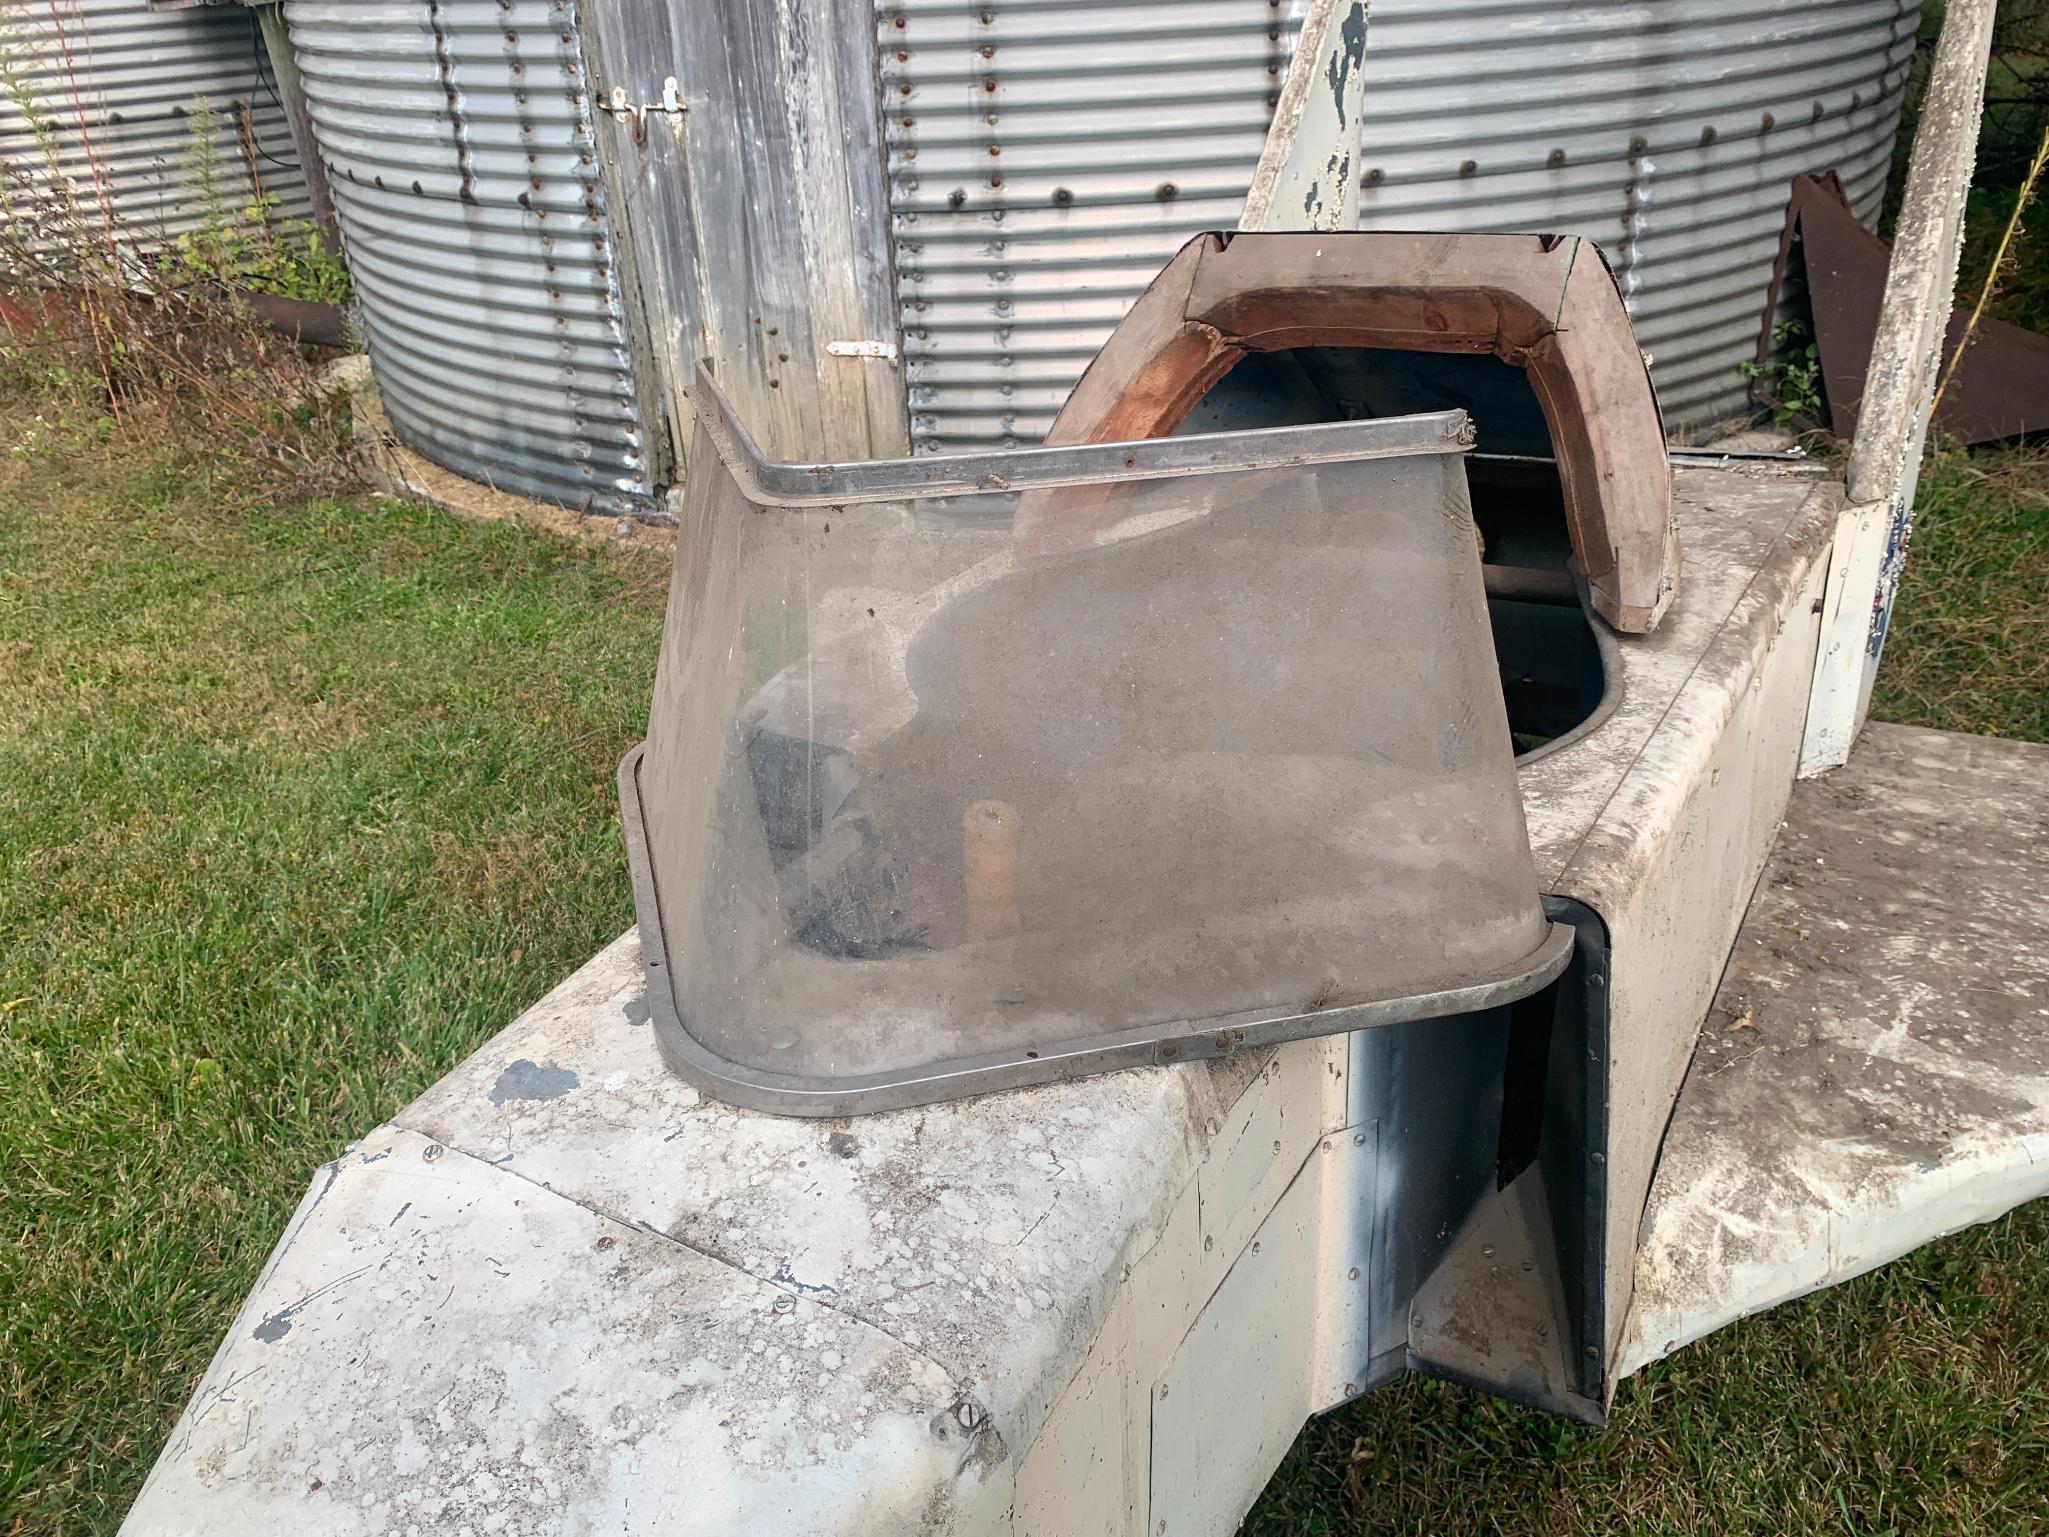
x,y
119,328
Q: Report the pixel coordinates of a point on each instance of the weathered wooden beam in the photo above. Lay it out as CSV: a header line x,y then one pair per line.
x,y
277,43
1892,427
754,212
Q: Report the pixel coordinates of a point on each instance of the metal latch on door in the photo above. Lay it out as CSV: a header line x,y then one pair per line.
x,y
634,115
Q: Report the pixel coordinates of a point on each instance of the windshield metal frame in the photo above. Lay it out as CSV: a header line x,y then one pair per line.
x,y
776,483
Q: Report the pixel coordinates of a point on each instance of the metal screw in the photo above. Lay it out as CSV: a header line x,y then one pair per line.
x,y
786,1304
1358,1139
1208,1242
1352,1274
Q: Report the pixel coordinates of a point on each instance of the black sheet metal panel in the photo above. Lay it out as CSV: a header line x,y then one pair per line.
x,y
963,774
1494,1246
460,152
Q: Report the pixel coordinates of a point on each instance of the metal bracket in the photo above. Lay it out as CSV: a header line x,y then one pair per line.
x,y
634,115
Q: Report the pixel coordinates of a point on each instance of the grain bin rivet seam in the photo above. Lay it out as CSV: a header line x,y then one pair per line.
x,y
545,255
1843,58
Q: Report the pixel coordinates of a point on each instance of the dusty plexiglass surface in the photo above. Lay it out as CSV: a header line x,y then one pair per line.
x,y
983,776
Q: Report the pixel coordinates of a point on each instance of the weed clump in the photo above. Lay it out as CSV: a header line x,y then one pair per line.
x,y
120,326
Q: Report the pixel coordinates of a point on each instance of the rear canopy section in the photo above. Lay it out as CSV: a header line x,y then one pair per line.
x,y
970,772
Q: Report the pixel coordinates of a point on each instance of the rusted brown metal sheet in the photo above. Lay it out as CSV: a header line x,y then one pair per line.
x,y
1546,304
2000,390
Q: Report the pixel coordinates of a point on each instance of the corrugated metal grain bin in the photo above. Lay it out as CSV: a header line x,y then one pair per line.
x,y
97,111
1046,156
458,142
913,225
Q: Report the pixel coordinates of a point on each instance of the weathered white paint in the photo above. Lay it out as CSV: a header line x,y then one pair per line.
x,y
1875,1070
1849,611
1306,178
1285,1336
1899,386
1672,862
1032,1265
437,1346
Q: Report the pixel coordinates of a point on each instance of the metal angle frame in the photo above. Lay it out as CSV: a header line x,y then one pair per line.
x,y
779,484
1149,1045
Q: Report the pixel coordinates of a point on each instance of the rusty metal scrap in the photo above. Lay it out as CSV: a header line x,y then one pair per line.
x,y
2000,389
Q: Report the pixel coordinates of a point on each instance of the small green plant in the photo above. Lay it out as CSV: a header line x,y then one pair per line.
x,y
240,243
1792,378
124,331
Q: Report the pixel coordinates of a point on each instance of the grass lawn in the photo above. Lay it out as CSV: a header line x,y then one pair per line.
x,y
296,808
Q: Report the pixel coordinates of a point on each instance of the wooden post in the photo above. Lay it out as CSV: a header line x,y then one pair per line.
x,y
278,44
1906,356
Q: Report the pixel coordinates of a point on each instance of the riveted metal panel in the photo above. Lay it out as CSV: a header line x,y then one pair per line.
x,y
1047,156
113,85
458,142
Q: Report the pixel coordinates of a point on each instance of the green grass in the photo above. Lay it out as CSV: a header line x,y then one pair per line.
x,y
1969,644
296,808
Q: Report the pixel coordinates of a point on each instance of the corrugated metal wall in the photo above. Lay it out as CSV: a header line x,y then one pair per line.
x,y
1046,156
113,83
459,147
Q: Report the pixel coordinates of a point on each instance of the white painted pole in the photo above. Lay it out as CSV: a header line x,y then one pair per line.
x,y
1307,177
1906,355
